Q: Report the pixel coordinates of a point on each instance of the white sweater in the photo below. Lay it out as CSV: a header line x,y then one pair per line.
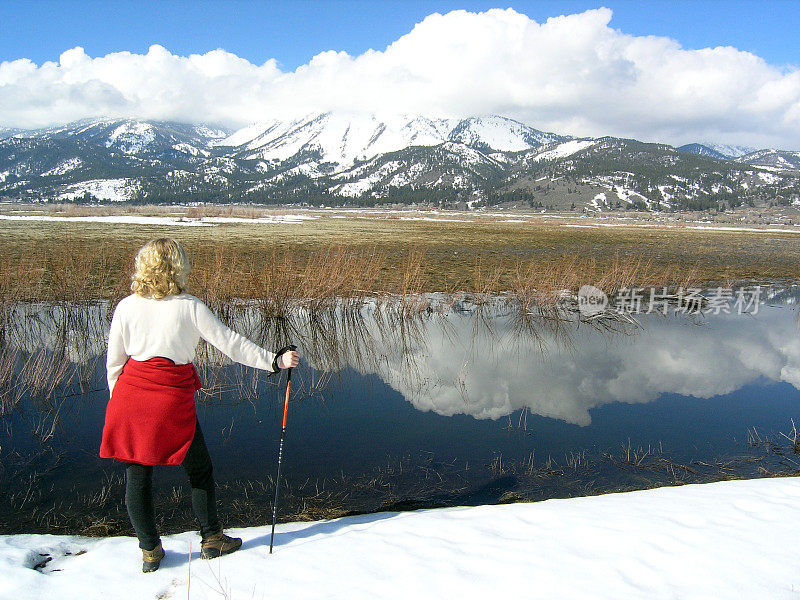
x,y
143,328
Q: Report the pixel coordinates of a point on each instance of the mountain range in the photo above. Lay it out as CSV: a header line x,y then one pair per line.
x,y
357,159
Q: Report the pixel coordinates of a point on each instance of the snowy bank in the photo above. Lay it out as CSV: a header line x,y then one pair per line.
x,y
722,540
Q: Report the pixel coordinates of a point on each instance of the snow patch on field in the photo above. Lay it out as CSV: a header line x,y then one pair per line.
x,y
715,540
179,221
270,219
664,226
435,219
759,229
117,219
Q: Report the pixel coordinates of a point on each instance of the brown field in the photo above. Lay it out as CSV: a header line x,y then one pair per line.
x,y
350,257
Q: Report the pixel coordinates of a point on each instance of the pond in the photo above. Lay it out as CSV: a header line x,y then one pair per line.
x,y
401,404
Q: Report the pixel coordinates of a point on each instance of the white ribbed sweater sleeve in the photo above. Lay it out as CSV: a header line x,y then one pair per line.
x,y
116,357
226,340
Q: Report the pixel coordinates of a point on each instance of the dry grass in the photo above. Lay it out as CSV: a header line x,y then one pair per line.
x,y
546,281
341,258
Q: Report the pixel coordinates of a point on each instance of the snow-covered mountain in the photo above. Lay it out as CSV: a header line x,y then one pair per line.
x,y
729,150
340,140
724,151
6,132
773,160
703,150
135,137
334,158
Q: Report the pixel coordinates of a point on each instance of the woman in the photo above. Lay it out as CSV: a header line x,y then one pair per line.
x,y
151,417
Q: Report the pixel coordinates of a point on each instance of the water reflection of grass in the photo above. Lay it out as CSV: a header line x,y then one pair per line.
x,y
351,257
405,483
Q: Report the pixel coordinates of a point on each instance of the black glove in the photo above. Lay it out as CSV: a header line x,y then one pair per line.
x,y
289,348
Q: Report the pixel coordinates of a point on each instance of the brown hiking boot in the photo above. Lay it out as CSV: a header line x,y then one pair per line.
x,y
219,544
151,559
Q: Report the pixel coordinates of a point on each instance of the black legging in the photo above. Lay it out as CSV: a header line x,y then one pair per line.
x,y
139,493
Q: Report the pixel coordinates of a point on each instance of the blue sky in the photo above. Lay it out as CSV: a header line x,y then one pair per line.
x,y
294,31
724,71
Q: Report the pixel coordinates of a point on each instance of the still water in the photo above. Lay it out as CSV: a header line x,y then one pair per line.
x,y
449,402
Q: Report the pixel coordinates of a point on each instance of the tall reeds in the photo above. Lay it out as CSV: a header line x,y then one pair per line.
x,y
76,270
547,280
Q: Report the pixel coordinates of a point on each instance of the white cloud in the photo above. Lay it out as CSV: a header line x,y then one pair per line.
x,y
573,74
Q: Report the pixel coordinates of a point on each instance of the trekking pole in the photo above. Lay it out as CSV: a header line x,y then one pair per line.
x,y
280,452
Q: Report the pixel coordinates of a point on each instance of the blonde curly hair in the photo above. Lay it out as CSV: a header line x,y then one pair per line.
x,y
161,269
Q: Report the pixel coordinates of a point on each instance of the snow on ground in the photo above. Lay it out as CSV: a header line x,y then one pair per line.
x,y
189,149
564,149
270,219
466,156
345,138
729,149
339,137
115,190
177,174
759,229
131,137
664,226
207,132
64,167
499,133
442,219
597,201
358,187
307,169
626,194
211,176
733,539
769,178
181,221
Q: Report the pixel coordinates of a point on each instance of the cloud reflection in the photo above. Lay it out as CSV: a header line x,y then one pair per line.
x,y
486,363
495,371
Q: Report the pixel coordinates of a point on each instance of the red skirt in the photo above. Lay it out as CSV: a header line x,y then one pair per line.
x,y
151,416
